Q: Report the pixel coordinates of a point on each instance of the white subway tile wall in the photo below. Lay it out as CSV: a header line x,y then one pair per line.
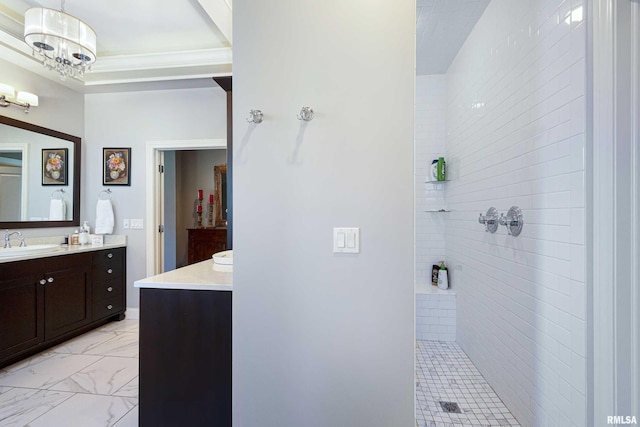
x,y
515,126
430,135
436,316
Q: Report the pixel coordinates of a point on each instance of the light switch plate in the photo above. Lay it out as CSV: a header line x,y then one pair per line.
x,y
125,223
346,240
137,224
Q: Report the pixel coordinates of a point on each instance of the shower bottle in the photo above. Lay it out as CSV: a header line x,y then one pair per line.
x,y
442,169
443,279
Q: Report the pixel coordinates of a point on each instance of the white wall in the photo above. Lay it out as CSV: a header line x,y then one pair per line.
x,y
60,109
515,136
131,119
430,136
323,339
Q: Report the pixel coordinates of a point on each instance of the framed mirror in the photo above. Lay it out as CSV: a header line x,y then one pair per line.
x,y
220,181
37,166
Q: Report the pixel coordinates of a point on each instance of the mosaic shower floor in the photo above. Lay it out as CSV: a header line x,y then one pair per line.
x,y
445,374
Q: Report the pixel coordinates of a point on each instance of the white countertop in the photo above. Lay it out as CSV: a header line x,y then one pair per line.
x,y
202,276
111,241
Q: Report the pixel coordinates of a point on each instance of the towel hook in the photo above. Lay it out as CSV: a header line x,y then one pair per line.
x,y
306,114
108,193
60,191
255,116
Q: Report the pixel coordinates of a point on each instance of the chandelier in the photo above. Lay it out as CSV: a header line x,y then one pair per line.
x,y
64,43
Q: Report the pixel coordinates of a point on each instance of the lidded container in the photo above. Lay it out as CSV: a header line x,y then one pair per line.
x,y
443,279
441,169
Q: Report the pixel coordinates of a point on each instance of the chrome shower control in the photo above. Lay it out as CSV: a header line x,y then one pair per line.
x,y
490,220
513,221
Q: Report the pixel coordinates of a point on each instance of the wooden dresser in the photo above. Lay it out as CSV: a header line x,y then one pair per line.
x,y
204,242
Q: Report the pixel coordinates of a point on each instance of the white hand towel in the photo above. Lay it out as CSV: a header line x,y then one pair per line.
x,y
104,217
57,210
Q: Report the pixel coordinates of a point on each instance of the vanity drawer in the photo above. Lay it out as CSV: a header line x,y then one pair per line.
x,y
109,257
108,264
103,273
107,307
108,289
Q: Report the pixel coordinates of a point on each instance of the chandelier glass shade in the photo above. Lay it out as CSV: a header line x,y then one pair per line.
x,y
65,43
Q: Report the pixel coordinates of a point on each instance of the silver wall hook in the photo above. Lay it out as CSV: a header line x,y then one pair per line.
x,y
306,114
255,116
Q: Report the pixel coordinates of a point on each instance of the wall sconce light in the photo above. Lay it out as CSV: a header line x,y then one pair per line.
x,y
8,97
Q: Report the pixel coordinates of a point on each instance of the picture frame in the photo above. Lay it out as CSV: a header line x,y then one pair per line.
x,y
54,166
220,184
116,166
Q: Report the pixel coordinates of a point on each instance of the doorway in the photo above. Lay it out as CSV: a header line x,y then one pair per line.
x,y
155,214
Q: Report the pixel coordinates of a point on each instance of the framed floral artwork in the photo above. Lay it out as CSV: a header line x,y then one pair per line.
x,y
116,166
54,166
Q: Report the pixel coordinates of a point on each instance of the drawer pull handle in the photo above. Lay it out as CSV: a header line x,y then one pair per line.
x,y
109,271
110,289
50,280
109,307
109,255
43,282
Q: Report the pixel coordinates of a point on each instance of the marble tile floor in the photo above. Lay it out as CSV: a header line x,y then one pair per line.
x,y
91,380
445,373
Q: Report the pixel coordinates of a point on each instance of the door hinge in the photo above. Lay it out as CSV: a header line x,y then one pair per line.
x,y
161,228
160,168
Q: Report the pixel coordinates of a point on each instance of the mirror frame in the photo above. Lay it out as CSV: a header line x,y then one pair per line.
x,y
77,142
217,177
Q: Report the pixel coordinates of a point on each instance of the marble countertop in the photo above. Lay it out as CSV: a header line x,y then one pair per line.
x,y
110,241
202,276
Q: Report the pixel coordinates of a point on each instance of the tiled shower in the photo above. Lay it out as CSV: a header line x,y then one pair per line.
x,y
509,117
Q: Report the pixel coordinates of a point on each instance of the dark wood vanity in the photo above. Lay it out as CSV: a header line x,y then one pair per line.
x,y
45,301
185,347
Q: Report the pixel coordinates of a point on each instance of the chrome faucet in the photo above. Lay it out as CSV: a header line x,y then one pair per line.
x,y
7,237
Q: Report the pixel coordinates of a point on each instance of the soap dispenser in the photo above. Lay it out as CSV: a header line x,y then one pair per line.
x,y
443,279
84,236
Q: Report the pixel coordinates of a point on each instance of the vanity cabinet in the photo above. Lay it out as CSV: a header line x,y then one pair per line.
x,y
108,278
21,309
204,242
67,294
45,301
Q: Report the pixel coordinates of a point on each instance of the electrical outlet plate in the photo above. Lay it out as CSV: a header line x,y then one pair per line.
x,y
125,223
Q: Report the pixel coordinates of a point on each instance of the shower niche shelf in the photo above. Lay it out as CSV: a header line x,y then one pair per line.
x,y
438,210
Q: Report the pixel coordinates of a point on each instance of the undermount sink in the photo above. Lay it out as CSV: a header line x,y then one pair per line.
x,y
223,258
28,250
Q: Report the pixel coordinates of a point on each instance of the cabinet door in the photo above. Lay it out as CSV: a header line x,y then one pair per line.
x,y
67,300
21,311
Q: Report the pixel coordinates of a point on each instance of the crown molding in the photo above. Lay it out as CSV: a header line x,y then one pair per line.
x,y
121,69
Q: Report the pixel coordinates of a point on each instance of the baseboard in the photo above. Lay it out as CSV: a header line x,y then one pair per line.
x,y
132,313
